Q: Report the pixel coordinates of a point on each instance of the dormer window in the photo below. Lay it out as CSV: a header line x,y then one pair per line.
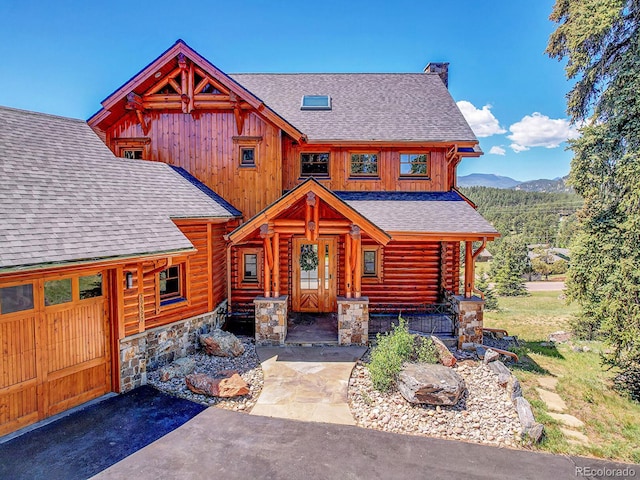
x,y
316,102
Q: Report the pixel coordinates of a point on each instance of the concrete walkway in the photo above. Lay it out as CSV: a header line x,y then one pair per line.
x,y
223,444
307,383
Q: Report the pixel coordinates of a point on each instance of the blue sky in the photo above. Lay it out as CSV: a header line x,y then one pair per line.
x,y
65,57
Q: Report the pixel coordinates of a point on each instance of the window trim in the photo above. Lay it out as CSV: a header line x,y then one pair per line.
x,y
364,175
240,281
414,175
316,175
35,297
179,301
242,142
142,144
378,275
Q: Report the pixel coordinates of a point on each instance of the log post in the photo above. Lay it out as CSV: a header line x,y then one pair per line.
x,y
347,265
316,218
276,264
356,260
468,270
268,259
311,202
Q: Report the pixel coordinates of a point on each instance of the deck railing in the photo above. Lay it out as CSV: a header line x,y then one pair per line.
x,y
428,319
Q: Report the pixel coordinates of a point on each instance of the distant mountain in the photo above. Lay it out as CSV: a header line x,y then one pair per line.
x,y
486,180
497,181
544,185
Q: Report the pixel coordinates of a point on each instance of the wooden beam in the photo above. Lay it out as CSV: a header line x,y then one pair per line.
x,y
134,102
316,218
468,270
190,86
357,281
347,265
143,123
239,115
276,264
267,274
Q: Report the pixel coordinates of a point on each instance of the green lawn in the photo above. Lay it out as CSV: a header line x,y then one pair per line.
x,y
612,421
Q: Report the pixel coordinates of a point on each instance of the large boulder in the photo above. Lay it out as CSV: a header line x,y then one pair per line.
x,y
431,384
180,368
444,354
232,386
221,344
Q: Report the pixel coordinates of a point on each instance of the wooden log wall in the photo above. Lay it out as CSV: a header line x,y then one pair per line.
x,y
206,289
203,144
388,168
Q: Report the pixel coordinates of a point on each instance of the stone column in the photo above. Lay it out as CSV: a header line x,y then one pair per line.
x,y
271,320
470,316
353,321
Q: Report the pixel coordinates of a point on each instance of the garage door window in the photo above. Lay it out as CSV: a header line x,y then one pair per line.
x,y
91,286
16,299
57,292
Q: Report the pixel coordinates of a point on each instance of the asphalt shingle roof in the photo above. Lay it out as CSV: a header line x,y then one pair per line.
x,y
65,197
419,212
365,106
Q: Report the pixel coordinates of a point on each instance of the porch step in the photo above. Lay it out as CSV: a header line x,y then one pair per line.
x,y
302,343
449,340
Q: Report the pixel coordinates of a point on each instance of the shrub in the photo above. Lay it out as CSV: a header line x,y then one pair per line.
x,y
393,349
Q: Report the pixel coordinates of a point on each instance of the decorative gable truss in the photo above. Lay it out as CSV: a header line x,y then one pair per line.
x,y
188,88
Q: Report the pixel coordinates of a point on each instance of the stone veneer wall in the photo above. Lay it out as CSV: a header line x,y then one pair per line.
x,y
161,345
470,318
353,321
271,320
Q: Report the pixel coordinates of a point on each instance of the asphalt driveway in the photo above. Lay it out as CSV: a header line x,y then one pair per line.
x,y
91,439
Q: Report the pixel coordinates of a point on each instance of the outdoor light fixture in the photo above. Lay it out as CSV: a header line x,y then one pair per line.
x,y
129,280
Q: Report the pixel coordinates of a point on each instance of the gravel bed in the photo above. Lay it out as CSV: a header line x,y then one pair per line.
x,y
485,414
247,365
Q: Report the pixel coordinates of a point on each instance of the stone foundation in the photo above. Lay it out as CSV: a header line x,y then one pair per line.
x,y
271,320
353,321
161,345
470,316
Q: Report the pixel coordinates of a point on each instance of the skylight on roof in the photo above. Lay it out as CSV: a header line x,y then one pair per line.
x,y
316,102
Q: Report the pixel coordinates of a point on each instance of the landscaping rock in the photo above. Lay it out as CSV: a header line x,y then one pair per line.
x,y
480,351
430,384
444,355
203,384
491,356
534,433
498,367
180,368
525,414
560,336
222,344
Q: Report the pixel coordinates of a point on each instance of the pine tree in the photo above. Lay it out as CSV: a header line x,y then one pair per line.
x,y
509,266
490,300
601,42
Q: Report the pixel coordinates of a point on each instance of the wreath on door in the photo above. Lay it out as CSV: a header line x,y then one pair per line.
x,y
308,258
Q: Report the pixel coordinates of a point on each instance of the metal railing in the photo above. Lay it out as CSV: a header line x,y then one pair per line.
x,y
429,319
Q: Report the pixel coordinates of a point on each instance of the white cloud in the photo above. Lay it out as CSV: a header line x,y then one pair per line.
x,y
538,130
481,120
497,150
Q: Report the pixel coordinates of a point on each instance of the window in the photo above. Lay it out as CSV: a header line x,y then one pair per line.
x,y
414,164
316,102
16,299
247,157
134,154
372,263
171,285
57,292
250,268
132,148
364,164
90,286
314,164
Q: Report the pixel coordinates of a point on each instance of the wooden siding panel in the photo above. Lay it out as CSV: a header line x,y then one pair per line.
x,y
203,144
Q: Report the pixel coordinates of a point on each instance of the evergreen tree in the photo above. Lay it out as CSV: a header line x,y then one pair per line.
x,y
509,266
490,300
601,42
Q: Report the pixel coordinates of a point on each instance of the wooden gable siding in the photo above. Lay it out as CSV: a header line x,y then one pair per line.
x,y
388,178
206,282
203,144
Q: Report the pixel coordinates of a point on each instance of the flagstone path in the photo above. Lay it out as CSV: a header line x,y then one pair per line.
x,y
557,410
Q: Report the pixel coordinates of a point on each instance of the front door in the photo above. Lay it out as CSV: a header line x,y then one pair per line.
x,y
314,275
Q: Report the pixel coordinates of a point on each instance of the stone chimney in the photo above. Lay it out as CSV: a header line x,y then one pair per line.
x,y
441,68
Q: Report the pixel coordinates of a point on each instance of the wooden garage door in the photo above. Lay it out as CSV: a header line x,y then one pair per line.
x,y
54,340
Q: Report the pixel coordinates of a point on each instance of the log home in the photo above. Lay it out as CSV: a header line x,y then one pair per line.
x,y
346,183
201,195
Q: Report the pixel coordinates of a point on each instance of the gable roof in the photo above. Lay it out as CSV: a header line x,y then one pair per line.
x,y
64,197
410,107
291,197
435,214
113,105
